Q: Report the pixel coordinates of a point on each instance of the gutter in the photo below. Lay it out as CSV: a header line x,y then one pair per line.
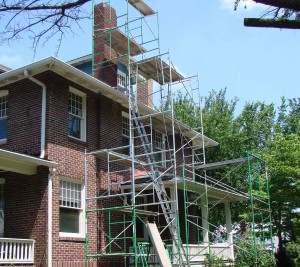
x,y
43,123
42,155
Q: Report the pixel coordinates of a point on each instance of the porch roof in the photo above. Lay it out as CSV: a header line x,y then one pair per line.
x,y
216,194
21,163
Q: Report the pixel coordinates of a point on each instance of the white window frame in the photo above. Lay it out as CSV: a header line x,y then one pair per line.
x,y
194,159
4,93
126,116
145,233
83,117
122,79
161,148
81,233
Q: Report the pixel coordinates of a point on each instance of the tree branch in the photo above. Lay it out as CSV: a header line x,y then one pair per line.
x,y
42,7
272,23
288,4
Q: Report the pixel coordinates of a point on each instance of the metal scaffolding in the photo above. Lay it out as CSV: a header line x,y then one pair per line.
x,y
159,173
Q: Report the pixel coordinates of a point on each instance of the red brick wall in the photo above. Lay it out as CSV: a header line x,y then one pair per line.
x,y
145,92
24,112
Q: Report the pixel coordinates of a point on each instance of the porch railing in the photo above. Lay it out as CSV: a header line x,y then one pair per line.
x,y
16,251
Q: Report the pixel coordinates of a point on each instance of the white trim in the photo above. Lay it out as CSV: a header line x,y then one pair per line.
x,y
3,93
83,118
81,233
145,233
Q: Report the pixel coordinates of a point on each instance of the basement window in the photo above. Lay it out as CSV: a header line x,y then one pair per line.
x,y
71,208
3,115
77,114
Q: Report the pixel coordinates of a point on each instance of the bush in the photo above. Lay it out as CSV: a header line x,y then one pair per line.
x,y
245,254
214,261
293,253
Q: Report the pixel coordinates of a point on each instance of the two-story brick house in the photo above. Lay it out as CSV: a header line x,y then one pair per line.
x,y
59,127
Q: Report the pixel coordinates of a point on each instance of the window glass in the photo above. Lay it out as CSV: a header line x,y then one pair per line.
x,y
69,220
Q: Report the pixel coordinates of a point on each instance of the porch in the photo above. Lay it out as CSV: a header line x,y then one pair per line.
x,y
23,207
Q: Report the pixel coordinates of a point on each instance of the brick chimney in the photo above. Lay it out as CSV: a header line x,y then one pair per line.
x,y
145,92
105,18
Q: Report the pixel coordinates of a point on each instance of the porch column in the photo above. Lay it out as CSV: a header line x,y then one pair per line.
x,y
229,227
204,214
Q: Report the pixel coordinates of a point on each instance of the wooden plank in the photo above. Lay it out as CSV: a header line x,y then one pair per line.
x,y
222,164
118,41
142,7
154,68
158,245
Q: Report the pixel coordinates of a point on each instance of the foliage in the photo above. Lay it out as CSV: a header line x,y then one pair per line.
x,y
283,157
283,13
293,252
247,256
289,116
256,124
214,261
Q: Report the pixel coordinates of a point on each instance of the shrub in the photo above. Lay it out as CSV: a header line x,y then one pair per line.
x,y
293,253
245,254
214,261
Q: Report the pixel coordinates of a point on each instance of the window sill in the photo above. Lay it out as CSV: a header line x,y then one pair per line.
x,y
71,239
77,141
3,141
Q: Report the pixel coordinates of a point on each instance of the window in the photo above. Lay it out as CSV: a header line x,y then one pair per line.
x,y
125,134
71,208
77,114
122,79
141,231
159,148
3,114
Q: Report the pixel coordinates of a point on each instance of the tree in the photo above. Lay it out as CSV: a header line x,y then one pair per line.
x,y
283,157
284,14
288,120
257,122
40,19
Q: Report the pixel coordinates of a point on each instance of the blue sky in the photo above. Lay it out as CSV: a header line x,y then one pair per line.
x,y
205,37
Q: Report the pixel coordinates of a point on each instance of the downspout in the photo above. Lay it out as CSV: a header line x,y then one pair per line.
x,y
50,183
43,123
42,155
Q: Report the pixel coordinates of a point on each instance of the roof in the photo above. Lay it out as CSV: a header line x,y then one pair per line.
x,y
21,163
73,74
4,68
